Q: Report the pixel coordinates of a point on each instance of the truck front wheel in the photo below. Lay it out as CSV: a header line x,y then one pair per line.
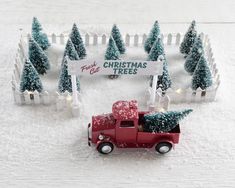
x,y
105,148
163,147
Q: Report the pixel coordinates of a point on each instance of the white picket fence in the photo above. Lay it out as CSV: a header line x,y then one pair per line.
x,y
129,40
188,95
62,100
180,95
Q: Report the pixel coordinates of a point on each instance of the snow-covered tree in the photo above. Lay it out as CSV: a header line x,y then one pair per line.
x,y
194,56
39,37
65,83
30,79
112,52
189,39
152,37
38,57
118,39
164,121
165,80
202,75
77,42
157,50
70,51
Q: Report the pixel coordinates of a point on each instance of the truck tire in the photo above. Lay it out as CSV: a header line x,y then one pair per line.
x,y
163,147
105,148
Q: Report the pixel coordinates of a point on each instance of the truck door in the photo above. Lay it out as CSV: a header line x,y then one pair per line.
x,y
126,131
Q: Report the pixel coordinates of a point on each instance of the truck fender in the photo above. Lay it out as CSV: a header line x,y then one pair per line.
x,y
165,140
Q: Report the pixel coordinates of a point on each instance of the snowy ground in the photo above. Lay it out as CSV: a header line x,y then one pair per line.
x,y
44,148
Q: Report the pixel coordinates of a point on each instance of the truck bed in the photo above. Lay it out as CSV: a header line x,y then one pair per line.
x,y
153,137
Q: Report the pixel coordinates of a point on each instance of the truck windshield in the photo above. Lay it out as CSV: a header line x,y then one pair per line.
x,y
127,124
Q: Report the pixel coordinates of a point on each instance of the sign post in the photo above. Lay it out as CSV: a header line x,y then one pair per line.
x,y
90,67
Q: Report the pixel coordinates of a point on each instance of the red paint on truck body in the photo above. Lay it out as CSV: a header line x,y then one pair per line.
x,y
122,128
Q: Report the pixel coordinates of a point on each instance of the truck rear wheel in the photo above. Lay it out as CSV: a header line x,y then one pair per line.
x,y
163,147
105,148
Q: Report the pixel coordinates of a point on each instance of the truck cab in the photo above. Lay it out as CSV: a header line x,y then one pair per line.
x,y
124,128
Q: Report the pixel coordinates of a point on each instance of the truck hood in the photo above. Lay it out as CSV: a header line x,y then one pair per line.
x,y
103,122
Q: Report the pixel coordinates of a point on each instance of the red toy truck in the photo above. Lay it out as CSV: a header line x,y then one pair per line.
x,y
123,128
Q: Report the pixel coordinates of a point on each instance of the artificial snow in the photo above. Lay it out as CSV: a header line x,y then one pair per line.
x,y
42,147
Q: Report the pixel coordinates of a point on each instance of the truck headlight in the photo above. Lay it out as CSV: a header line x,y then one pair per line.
x,y
101,137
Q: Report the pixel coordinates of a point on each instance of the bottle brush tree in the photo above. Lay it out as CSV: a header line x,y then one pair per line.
x,y
38,57
112,53
118,39
157,50
30,79
164,121
65,83
152,37
189,39
164,81
39,37
77,42
202,76
70,51
194,56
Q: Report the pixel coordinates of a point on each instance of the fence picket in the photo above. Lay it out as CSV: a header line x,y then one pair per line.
x,y
144,38
169,39
61,38
87,39
103,40
177,41
45,97
36,98
95,39
53,38
127,40
27,97
136,40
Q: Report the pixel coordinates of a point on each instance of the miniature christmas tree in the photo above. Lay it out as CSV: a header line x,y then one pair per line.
x,y
30,79
156,50
152,37
70,51
77,42
194,56
38,57
118,39
165,80
164,121
202,76
189,39
65,83
39,37
112,52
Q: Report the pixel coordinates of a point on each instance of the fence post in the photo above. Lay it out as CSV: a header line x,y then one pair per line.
x,y
87,39
53,38
144,38
136,40
169,39
61,38
177,41
103,39
127,40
